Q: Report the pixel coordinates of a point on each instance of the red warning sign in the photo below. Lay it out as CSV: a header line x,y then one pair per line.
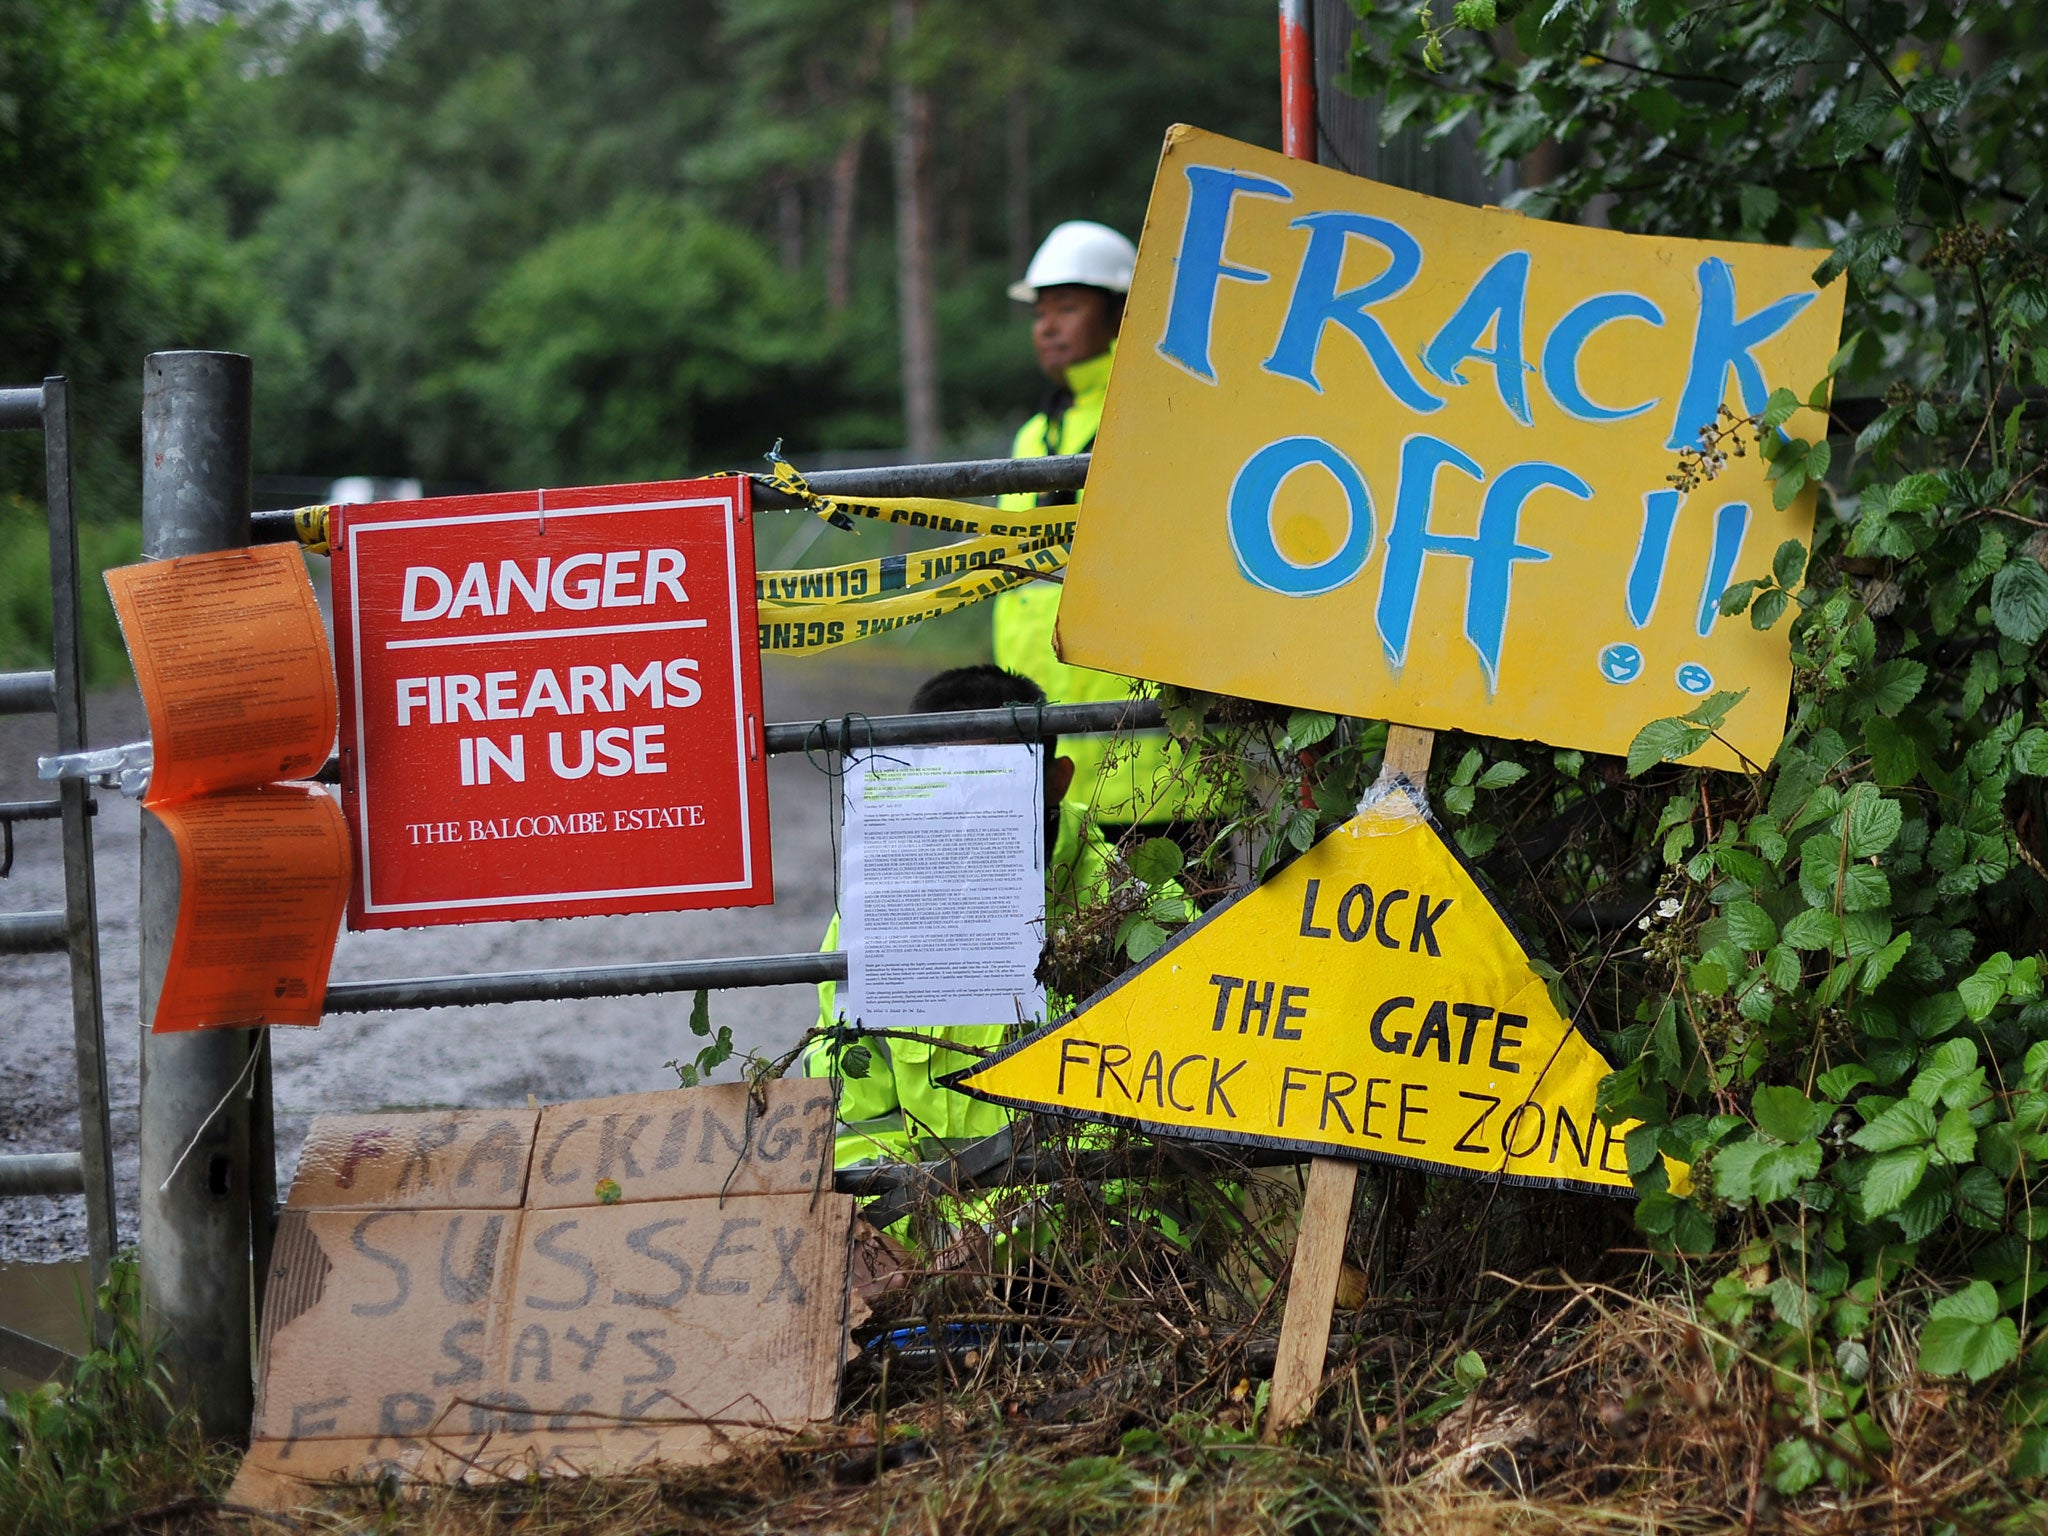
x,y
550,704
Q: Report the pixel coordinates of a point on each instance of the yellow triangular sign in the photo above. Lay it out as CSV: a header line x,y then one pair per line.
x,y
1368,1001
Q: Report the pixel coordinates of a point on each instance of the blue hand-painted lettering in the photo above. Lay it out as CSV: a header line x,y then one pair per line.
x,y
1653,551
1730,524
1317,304
1568,339
1200,266
1251,519
1722,341
1496,302
1493,551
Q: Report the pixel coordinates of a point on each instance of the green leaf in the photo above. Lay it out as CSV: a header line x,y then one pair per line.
x,y
1946,1065
2031,1459
1873,822
1789,564
1750,926
2019,601
1881,964
1301,830
1785,1114
1778,409
1966,1335
1891,1179
1768,607
1662,741
1156,860
1475,839
1864,888
700,1013
1761,1171
1838,1083
1955,1138
1908,1123
1757,204
1980,994
855,1060
1894,759
1811,928
1893,686
1858,122
1141,938
1795,1465
1306,727
1501,775
1917,493
2030,752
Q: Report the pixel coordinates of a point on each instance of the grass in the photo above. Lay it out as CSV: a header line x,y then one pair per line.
x,y
77,1455
1462,1400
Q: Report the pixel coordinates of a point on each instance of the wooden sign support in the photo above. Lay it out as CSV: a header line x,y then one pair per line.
x,y
1326,1207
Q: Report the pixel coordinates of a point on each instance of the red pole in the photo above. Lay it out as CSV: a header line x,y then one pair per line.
x,y
1297,80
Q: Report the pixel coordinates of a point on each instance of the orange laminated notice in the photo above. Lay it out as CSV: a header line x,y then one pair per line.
x,y
263,889
234,668
238,681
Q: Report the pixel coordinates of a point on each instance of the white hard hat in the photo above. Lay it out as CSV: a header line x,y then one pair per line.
x,y
1079,251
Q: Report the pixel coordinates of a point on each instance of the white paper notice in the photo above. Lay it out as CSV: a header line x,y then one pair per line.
x,y
942,889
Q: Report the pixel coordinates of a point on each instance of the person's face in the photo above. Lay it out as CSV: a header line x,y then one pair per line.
x,y
1071,323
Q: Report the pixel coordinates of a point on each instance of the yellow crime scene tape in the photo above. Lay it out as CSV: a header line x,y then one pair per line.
x,y
825,607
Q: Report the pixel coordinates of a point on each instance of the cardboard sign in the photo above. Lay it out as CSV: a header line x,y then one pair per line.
x,y
551,704
232,662
1373,453
1366,1002
484,1294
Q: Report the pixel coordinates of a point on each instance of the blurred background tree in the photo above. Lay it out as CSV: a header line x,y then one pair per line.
x,y
499,242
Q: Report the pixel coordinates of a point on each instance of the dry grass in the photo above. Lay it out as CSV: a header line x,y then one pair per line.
x,y
1117,1390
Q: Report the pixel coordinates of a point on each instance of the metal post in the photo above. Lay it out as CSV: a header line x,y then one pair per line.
x,y
88,1019
195,1109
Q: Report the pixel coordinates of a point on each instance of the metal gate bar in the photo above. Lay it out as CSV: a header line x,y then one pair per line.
x,y
850,733
74,929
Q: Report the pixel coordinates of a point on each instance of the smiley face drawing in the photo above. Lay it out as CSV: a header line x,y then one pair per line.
x,y
1694,678
1621,662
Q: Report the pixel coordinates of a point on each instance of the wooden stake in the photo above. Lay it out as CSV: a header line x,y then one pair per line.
x,y
1326,1209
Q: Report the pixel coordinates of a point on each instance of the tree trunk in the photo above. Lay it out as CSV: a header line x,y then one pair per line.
x,y
1017,199
789,218
845,184
916,301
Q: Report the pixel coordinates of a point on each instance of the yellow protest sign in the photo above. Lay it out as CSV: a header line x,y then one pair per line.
x,y
1366,1002
1374,453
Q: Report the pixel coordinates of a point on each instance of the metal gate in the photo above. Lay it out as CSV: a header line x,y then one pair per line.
x,y
72,929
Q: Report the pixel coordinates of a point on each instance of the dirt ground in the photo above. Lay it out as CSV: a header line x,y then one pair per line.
x,y
461,1056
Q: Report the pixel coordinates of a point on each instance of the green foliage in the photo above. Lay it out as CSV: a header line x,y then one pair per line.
x,y
1836,1013
714,1055
25,590
81,1455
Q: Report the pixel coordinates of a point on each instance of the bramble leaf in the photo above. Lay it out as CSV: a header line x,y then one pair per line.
x,y
1966,1336
1785,1114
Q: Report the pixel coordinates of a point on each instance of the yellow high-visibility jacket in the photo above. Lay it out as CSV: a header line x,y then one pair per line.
x,y
898,1111
1135,779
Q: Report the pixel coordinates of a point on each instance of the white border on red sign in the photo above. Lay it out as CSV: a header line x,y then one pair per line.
x,y
355,533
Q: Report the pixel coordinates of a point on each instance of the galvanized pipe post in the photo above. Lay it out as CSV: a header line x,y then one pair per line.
x,y
195,1106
